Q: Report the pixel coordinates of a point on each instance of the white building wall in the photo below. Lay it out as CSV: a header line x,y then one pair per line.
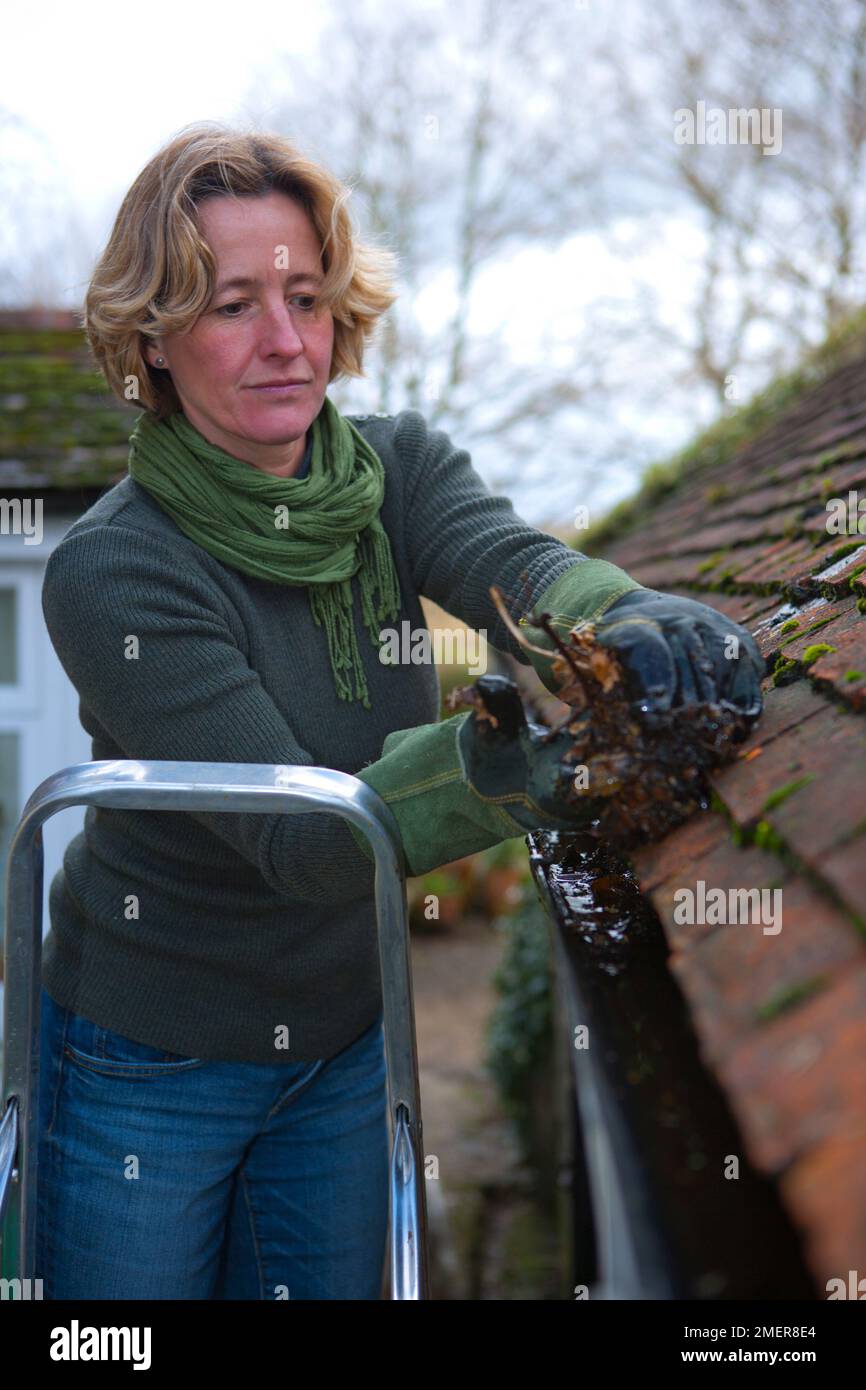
x,y
41,709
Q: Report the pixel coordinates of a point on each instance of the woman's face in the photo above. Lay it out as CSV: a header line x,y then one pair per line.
x,y
263,328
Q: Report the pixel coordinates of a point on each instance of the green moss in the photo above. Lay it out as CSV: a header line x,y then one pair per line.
x,y
711,563
792,625
841,551
765,837
718,445
761,834
717,493
813,627
788,997
782,793
811,654
855,676
783,672
861,604
851,449
519,1034
57,402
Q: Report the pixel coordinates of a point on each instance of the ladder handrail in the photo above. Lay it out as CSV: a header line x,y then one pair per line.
x,y
198,786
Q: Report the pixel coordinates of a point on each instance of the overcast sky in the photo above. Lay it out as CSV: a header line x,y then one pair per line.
x,y
106,84
99,89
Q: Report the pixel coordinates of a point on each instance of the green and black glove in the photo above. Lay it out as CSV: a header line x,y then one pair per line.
x,y
674,651
474,780
582,594
677,651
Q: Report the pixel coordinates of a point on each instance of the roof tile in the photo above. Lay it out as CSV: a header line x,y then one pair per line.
x,y
799,1081
740,975
819,771
825,1191
781,1018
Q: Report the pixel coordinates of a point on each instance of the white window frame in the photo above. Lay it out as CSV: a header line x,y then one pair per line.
x,y
22,700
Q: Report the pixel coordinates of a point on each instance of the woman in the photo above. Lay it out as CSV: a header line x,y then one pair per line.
x,y
213,1116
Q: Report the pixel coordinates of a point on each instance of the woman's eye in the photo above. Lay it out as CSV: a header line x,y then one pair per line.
x,y
234,309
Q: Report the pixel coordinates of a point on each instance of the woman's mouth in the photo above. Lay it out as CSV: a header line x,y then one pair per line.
x,y
278,389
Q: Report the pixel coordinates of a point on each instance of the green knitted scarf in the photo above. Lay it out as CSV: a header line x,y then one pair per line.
x,y
316,531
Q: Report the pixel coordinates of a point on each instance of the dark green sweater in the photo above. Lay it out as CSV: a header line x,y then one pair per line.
x,y
248,922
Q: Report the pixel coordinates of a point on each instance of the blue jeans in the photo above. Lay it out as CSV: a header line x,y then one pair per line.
x,y
163,1176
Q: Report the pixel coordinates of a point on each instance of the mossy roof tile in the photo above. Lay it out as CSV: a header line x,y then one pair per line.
x,y
744,528
60,427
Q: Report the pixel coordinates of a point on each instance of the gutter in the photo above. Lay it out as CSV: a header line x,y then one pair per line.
x,y
655,1214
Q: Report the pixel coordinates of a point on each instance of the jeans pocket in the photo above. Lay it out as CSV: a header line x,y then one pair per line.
x,y
52,1032
99,1049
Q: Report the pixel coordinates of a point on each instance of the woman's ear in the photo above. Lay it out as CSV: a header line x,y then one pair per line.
x,y
153,354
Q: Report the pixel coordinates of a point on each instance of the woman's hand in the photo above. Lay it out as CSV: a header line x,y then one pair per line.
x,y
520,765
678,651
474,780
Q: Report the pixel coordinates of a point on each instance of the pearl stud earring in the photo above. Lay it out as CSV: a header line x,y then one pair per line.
x,y
160,362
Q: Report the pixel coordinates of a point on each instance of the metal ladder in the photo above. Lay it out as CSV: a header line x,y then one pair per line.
x,y
194,786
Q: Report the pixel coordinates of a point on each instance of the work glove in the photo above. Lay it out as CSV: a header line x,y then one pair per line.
x,y
474,780
674,651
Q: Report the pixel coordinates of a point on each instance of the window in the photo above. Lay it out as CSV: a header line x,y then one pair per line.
x,y
10,744
9,636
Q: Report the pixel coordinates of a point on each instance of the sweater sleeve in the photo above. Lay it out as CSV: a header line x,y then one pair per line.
x,y
189,695
461,538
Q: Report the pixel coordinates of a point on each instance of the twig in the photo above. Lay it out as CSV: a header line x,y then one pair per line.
x,y
545,624
496,595
543,621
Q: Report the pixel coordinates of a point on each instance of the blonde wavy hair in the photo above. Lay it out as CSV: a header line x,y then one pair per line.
x,y
157,272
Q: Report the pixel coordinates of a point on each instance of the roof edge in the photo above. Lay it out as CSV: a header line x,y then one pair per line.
x,y
721,441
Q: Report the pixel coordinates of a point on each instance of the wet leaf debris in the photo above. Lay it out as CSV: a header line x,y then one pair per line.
x,y
644,772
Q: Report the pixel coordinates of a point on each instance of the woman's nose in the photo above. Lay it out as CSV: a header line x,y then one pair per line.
x,y
279,333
